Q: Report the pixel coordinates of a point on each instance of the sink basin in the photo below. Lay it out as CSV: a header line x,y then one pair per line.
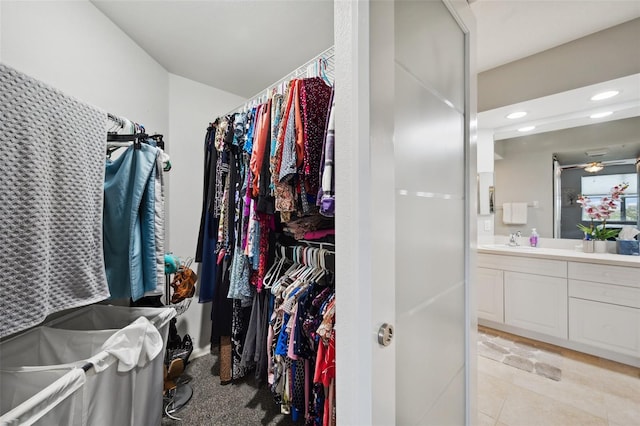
x,y
506,246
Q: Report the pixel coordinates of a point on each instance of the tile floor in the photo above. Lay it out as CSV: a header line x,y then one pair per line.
x,y
592,391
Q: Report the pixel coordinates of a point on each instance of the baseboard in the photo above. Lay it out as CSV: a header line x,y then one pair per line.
x,y
564,343
198,352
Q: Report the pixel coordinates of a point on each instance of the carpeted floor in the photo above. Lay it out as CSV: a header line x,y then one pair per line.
x,y
520,355
239,403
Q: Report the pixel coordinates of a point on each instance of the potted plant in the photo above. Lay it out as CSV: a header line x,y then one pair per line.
x,y
601,212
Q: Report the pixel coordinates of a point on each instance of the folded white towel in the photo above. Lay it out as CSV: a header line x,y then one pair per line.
x,y
519,213
506,213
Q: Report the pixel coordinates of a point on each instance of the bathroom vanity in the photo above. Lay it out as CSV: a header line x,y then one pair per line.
x,y
589,302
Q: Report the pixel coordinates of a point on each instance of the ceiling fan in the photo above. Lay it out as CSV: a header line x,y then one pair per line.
x,y
596,166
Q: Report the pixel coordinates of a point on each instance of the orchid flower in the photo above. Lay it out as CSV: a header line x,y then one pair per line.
x,y
602,211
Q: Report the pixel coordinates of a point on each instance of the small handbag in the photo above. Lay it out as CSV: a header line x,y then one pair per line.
x,y
183,284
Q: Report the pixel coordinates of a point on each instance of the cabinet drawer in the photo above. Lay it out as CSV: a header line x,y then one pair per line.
x,y
612,327
620,275
608,293
526,265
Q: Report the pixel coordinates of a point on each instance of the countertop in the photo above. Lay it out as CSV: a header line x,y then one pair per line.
x,y
561,254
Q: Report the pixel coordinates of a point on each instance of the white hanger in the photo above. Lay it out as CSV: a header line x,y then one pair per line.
x,y
274,272
301,274
288,273
320,267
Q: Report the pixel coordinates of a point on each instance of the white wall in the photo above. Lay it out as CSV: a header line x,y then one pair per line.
x,y
0,31
72,46
598,57
192,106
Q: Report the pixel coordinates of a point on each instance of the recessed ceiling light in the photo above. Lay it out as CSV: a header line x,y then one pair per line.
x,y
517,114
526,128
604,95
601,114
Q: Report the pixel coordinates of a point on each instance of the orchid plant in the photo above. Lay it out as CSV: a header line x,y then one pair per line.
x,y
601,211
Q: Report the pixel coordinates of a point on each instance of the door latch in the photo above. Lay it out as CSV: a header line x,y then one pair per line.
x,y
385,334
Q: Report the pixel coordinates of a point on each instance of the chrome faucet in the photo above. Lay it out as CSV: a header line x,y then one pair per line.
x,y
513,242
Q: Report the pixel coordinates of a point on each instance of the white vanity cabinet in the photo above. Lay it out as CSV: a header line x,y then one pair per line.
x,y
583,301
532,292
604,307
490,294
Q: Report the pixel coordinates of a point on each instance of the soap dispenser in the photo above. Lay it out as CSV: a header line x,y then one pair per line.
x,y
533,239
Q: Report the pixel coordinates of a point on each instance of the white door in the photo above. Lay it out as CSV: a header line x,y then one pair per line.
x,y
406,180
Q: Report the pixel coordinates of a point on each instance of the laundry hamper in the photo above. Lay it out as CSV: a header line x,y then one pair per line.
x,y
42,380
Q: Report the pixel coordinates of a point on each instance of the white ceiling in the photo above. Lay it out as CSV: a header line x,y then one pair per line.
x,y
238,46
243,46
513,29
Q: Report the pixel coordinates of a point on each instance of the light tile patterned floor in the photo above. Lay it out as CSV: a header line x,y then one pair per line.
x,y
592,391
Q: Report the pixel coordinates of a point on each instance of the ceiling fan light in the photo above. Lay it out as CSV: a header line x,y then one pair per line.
x,y
594,167
604,95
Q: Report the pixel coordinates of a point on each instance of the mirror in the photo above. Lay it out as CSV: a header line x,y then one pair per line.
x,y
525,172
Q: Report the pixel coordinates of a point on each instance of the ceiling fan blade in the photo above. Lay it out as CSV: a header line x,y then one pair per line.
x,y
620,162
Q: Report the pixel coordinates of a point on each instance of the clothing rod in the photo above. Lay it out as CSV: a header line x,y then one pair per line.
x,y
326,54
119,121
123,122
321,244
138,132
115,137
306,245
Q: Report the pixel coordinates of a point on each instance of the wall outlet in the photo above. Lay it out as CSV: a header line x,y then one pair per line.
x,y
487,225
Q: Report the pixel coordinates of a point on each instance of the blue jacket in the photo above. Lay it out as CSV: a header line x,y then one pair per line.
x,y
128,222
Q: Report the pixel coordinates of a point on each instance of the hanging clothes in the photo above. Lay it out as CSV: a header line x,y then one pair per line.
x,y
207,237
315,99
129,222
264,181
159,226
326,193
263,127
239,339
